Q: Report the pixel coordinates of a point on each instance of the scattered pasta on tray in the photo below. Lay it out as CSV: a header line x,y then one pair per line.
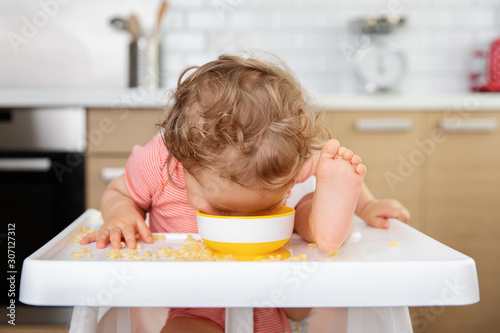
x,y
191,250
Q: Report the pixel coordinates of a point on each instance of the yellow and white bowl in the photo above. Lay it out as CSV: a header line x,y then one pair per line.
x,y
247,235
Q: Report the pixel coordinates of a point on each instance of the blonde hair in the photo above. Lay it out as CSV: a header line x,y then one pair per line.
x,y
243,119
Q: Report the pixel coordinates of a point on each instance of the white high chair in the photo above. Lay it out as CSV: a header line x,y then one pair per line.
x,y
152,319
418,272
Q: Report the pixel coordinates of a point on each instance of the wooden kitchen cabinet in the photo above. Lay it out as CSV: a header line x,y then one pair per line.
x,y
111,135
116,131
449,163
463,209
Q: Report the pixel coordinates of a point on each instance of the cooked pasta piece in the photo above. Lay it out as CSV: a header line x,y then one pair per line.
x,y
76,255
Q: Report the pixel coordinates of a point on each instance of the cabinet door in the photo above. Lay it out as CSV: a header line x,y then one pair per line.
x,y
387,143
463,209
99,172
118,130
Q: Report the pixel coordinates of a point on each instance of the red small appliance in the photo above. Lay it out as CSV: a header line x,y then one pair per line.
x,y
485,75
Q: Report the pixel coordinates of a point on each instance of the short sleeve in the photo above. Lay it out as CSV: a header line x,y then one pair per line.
x,y
144,171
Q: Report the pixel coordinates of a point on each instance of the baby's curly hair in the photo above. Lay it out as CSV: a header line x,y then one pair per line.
x,y
246,120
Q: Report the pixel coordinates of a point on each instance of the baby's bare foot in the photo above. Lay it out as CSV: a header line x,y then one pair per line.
x,y
339,177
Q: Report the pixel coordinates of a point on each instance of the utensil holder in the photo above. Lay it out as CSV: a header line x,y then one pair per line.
x,y
144,63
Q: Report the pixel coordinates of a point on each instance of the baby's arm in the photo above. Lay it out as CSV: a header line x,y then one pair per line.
x,y
122,218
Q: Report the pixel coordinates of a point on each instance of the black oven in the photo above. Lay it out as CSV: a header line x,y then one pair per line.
x,y
41,181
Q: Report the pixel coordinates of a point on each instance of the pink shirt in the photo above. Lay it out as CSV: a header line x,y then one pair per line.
x,y
146,177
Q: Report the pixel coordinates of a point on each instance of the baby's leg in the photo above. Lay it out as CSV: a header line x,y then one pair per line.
x,y
339,177
297,317
297,314
189,325
333,318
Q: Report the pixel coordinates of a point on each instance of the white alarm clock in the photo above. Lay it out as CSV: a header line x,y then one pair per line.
x,y
380,65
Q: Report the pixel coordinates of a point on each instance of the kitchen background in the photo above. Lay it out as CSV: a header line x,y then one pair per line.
x,y
70,43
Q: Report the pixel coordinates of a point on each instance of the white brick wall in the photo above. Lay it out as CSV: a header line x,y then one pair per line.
x,y
309,35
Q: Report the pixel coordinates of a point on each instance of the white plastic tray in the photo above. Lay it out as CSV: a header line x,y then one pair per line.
x,y
367,272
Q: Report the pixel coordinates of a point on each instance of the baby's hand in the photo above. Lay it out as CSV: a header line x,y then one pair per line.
x,y
377,212
117,227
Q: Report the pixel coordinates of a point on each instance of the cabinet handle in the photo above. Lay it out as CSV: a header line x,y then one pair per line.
x,y
25,164
108,174
383,124
469,125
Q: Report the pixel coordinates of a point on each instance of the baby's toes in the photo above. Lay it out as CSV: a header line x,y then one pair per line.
x,y
355,160
360,169
348,154
330,149
344,153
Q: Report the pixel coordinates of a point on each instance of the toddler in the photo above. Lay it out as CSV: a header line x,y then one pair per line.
x,y
238,135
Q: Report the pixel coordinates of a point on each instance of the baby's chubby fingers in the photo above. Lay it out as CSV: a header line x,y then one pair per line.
x,y
129,236
89,238
379,222
145,232
394,209
115,237
378,212
403,215
102,239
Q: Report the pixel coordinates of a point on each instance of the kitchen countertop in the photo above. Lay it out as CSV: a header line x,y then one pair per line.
x,y
142,98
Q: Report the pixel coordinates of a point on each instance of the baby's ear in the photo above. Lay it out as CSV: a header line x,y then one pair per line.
x,y
306,171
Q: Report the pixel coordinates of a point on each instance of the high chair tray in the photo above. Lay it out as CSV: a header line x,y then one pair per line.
x,y
368,271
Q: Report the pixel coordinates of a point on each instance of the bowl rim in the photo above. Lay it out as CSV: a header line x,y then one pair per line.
x,y
287,212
